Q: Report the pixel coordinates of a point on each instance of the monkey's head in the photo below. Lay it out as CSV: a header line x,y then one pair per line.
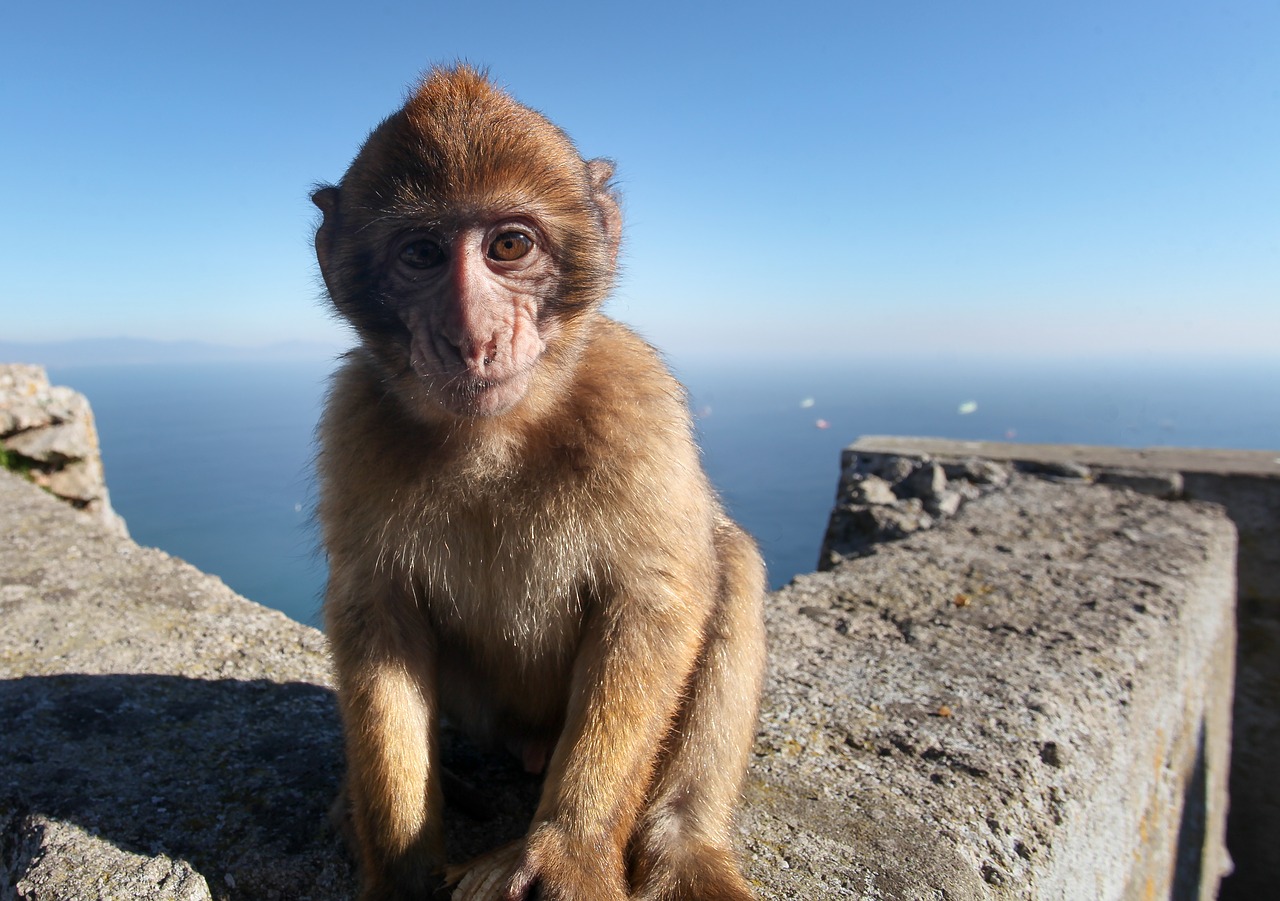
x,y
465,242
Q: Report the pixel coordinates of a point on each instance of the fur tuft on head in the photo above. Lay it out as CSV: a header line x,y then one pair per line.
x,y
462,145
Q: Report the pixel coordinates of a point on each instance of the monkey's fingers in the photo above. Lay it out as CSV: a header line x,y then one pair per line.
x,y
483,878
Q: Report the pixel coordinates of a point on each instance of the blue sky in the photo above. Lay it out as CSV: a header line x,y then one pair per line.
x,y
823,180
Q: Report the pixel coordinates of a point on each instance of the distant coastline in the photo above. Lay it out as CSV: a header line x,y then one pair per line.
x,y
143,351
685,359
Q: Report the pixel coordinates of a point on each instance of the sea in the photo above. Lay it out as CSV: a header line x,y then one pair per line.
x,y
212,461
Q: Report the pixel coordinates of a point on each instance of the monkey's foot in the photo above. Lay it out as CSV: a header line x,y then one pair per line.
x,y
483,878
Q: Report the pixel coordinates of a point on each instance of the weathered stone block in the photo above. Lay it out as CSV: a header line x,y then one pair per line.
x,y
1033,698
51,430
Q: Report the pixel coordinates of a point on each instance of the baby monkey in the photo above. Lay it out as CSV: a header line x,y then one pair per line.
x,y
519,532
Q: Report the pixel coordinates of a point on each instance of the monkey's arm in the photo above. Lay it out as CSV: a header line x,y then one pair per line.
x,y
387,697
639,648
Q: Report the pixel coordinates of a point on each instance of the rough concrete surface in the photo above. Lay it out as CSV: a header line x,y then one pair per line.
x,y
1246,484
158,728
1027,701
1174,459
1035,697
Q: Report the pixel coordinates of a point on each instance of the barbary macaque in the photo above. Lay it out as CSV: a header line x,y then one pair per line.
x,y
520,536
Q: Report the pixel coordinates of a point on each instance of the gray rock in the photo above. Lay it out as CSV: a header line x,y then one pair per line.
x,y
927,482
893,468
1165,484
77,480
973,711
20,380
885,497
871,490
977,471
855,529
1059,469
57,444
1247,485
943,504
51,429
18,416
46,859
150,711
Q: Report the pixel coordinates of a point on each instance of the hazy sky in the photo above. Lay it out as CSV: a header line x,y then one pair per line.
x,y
825,179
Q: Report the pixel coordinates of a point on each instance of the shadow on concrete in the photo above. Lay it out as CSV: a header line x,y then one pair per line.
x,y
1253,819
1189,864
234,776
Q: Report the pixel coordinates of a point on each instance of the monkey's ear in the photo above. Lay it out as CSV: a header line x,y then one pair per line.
x,y
326,199
605,195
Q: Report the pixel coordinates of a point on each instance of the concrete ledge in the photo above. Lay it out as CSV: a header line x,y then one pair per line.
x,y
1030,700
1027,701
1176,459
1247,485
164,738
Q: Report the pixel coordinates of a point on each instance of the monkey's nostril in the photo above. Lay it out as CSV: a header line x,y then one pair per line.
x,y
490,354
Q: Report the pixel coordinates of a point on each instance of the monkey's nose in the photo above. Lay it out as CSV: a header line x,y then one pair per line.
x,y
473,345
478,356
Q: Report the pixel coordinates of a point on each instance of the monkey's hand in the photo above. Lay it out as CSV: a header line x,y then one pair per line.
x,y
561,869
483,878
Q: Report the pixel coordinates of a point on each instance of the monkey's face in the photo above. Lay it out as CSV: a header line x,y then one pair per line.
x,y
464,244
458,309
473,302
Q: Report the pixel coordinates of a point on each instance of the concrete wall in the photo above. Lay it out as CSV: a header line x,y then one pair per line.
x,y
1247,485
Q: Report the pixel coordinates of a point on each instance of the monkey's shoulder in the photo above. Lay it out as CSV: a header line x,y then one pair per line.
x,y
624,377
624,411
364,425
628,427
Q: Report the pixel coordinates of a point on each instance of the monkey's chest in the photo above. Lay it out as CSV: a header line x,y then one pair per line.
x,y
507,595
507,576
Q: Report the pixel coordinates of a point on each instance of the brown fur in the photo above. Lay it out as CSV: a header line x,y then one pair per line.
x,y
538,555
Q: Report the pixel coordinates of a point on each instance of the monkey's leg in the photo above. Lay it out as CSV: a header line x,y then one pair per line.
x,y
387,698
683,848
637,648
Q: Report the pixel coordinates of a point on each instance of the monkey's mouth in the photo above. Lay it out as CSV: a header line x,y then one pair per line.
x,y
472,395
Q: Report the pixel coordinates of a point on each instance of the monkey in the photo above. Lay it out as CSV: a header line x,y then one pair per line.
x,y
520,535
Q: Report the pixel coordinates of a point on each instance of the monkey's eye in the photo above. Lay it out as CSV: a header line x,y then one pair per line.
x,y
510,246
422,254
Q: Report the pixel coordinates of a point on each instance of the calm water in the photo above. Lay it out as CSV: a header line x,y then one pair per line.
x,y
212,462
